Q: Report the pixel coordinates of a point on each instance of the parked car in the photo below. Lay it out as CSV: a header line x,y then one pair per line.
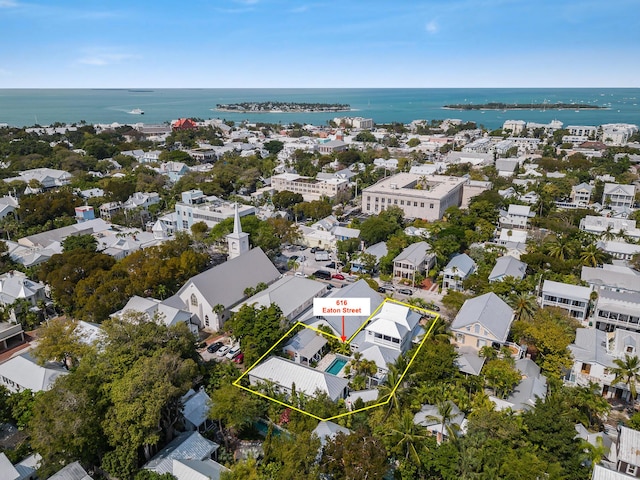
x,y
234,352
338,276
405,291
293,258
314,249
223,350
433,306
239,358
322,274
331,265
214,347
300,274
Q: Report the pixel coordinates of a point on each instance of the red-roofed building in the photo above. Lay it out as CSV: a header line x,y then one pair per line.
x,y
184,124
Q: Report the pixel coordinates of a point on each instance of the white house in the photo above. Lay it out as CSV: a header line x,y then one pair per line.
x,y
415,259
459,268
283,374
594,352
22,372
517,216
508,266
616,196
389,334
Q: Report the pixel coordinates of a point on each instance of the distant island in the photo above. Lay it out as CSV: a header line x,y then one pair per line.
x,y
282,107
522,106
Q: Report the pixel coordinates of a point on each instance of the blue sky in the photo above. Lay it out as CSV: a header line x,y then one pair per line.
x,y
347,43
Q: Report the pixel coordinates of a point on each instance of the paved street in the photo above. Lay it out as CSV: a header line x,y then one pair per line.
x,y
308,265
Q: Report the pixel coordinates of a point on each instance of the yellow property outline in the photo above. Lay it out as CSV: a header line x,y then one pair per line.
x,y
435,315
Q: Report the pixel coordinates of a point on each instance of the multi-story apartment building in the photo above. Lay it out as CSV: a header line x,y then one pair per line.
x,y
418,196
616,310
572,298
310,188
196,207
582,130
618,133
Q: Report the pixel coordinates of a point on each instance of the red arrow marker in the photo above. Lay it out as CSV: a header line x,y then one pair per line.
x,y
343,337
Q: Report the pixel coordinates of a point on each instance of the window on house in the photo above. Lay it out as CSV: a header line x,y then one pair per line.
x,y
632,469
194,300
630,349
422,204
431,205
586,368
206,320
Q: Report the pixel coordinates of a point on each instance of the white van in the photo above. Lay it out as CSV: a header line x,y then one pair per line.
x,y
233,352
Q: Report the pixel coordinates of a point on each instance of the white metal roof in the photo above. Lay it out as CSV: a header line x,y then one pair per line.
x,y
306,379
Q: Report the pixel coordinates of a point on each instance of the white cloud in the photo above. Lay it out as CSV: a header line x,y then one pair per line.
x,y
100,59
247,2
8,4
432,27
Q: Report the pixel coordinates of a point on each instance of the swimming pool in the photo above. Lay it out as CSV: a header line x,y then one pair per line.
x,y
336,366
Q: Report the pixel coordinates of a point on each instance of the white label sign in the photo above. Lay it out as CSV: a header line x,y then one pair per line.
x,y
343,307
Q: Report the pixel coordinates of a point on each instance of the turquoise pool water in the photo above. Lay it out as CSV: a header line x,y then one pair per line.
x,y
336,366
263,428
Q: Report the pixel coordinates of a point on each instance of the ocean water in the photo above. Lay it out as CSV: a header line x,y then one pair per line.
x,y
25,107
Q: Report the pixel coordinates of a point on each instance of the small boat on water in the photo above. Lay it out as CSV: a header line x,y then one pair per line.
x,y
137,111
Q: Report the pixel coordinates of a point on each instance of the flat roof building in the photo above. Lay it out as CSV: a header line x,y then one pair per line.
x,y
418,196
310,188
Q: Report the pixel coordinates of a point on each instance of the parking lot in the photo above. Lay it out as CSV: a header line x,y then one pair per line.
x,y
208,356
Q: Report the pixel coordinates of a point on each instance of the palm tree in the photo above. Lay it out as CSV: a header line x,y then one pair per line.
x,y
628,372
561,248
388,391
524,305
293,264
592,256
440,332
407,436
608,234
446,414
588,403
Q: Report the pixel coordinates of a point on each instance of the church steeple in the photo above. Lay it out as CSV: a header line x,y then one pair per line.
x,y
237,227
238,240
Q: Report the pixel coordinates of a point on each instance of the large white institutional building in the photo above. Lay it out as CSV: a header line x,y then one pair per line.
x,y
419,196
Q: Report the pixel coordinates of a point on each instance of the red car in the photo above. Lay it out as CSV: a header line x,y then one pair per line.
x,y
338,276
239,358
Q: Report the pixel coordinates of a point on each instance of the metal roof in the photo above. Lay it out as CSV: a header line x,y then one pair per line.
x,y
186,446
629,445
225,283
414,253
306,379
508,266
490,311
73,471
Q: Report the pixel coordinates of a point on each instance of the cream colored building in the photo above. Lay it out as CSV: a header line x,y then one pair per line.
x,y
419,196
310,188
